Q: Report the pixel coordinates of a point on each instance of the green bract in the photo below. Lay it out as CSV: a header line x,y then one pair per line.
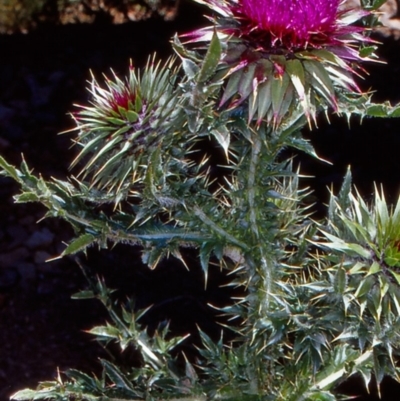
x,y
363,260
128,122
274,68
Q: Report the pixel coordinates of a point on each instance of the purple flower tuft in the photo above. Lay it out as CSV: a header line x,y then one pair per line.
x,y
281,54
291,23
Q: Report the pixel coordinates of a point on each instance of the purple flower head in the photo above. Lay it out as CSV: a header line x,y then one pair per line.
x,y
280,55
289,23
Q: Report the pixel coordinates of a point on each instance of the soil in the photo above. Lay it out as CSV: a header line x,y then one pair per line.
x,y
42,74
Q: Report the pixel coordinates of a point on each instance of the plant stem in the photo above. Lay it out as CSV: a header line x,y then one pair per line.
x,y
265,271
219,230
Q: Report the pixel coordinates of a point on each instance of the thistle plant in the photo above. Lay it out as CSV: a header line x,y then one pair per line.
x,y
321,299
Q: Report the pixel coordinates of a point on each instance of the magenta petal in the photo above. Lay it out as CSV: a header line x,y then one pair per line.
x,y
292,22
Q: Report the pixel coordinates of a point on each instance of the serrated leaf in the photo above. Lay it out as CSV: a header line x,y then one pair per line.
x,y
322,396
83,379
357,268
10,170
396,276
322,82
364,287
379,369
223,137
105,331
26,197
365,373
375,268
190,67
395,112
205,253
374,302
209,344
340,280
211,60
85,294
376,110
79,244
375,4
25,394
342,246
367,51
345,190
119,379
342,77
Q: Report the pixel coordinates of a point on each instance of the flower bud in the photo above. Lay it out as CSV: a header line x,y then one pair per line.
x,y
127,121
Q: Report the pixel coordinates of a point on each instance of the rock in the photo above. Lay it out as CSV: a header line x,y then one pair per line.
x,y
27,220
41,257
27,271
9,278
40,238
18,234
13,258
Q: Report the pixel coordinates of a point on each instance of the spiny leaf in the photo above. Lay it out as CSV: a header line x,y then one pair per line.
x,y
85,294
205,252
222,135
321,80
190,67
396,276
105,331
344,198
297,75
83,379
211,59
9,170
26,197
26,394
79,244
119,379
340,280
364,287
375,4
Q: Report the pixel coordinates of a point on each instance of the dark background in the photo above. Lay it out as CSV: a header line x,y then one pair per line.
x,y
42,74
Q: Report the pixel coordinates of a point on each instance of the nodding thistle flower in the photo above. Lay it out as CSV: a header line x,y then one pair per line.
x,y
283,56
295,24
127,121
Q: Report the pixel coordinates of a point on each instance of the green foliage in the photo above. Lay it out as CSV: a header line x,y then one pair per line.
x,y
127,124
362,241
321,299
